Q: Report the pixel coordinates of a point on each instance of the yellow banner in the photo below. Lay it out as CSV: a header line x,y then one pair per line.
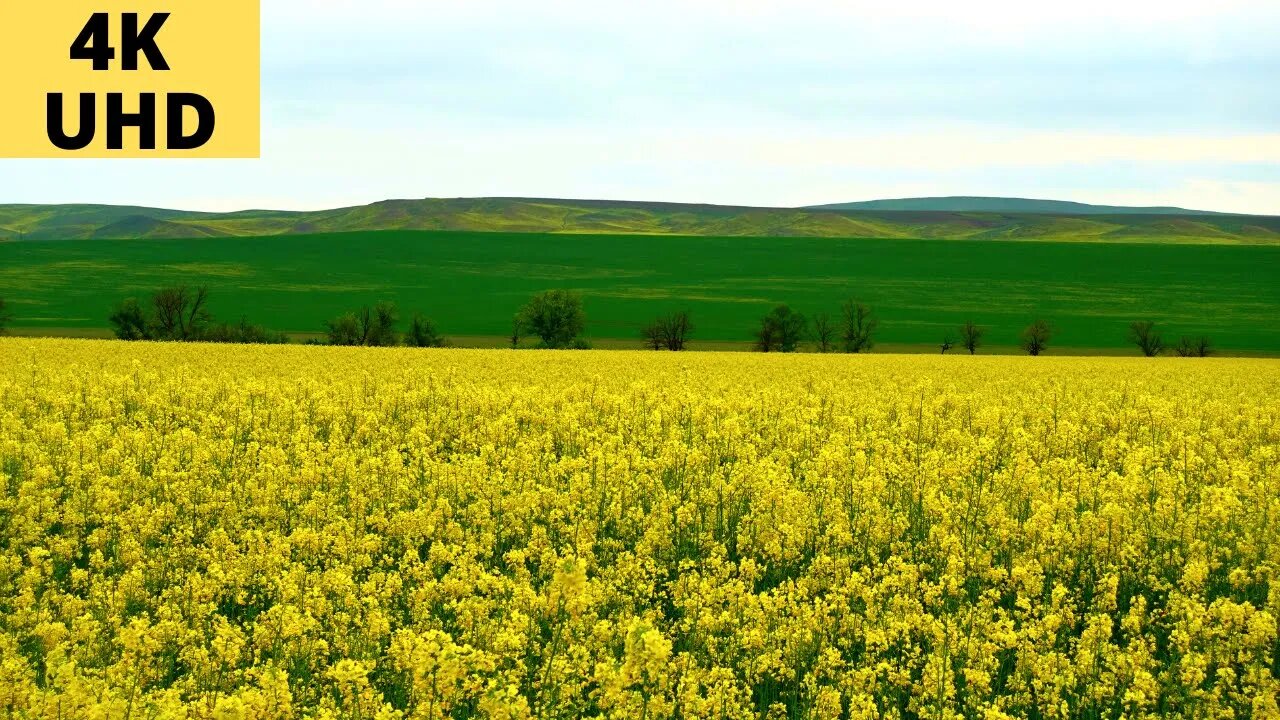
x,y
130,78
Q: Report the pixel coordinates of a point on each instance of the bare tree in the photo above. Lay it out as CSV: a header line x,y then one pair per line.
x,y
653,336
859,327
180,313
824,332
1194,347
1035,339
669,332
515,332
971,336
1203,347
947,343
767,335
1144,335
676,329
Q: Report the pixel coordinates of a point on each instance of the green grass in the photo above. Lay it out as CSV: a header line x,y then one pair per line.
x,y
472,283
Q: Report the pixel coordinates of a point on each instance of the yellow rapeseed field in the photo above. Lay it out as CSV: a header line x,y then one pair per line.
x,y
274,532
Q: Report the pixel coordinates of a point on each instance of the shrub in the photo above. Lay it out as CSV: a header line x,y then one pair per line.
x,y
780,331
244,333
423,334
555,316
371,327
129,321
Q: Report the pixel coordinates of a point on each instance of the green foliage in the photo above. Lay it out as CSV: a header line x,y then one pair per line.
x,y
781,330
244,333
129,321
369,327
179,314
556,317
423,334
344,330
6,317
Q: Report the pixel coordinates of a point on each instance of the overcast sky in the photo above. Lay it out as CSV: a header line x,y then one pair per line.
x,y
739,102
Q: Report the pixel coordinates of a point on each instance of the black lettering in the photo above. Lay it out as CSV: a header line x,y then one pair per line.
x,y
94,42
178,102
133,42
88,122
144,120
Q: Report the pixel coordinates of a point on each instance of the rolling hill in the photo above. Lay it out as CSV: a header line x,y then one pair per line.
x,y
1025,221
963,203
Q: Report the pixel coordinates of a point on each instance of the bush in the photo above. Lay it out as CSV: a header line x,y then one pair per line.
x,y
556,317
344,330
129,321
179,314
244,333
370,327
423,334
780,331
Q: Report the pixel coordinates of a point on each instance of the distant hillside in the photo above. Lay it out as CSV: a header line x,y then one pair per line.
x,y
1007,205
76,222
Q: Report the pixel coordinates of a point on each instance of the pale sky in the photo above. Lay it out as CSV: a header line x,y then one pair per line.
x,y
737,102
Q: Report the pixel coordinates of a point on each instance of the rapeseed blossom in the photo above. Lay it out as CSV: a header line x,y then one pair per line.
x,y
277,532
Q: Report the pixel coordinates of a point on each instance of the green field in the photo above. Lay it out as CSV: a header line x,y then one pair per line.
x,y
472,283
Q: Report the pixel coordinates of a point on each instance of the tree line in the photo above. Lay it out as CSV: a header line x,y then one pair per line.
x,y
557,319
